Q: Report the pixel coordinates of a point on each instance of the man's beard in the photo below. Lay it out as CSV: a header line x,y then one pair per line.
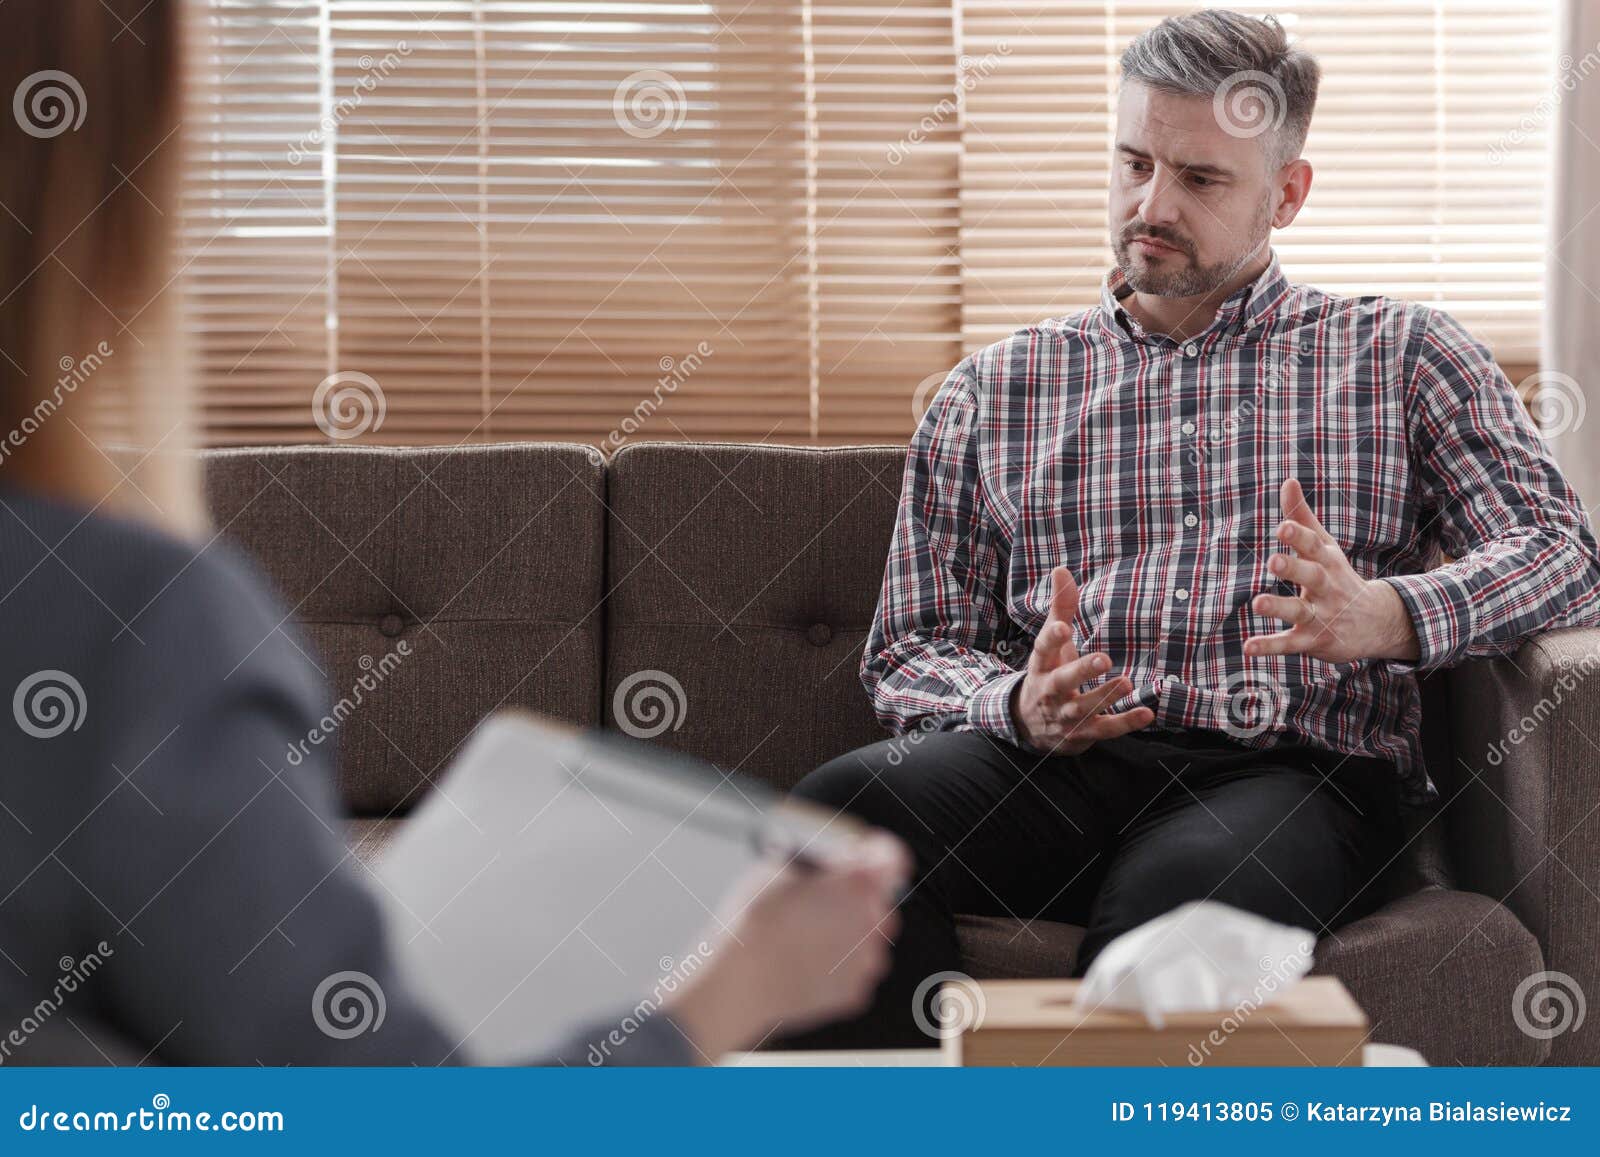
x,y
1176,274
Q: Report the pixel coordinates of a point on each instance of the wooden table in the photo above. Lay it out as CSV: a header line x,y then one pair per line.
x,y
1372,1056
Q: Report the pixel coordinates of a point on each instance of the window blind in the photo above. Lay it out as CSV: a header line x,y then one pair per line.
x,y
254,233
765,219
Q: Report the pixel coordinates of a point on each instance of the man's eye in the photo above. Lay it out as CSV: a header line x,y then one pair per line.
x,y
1203,182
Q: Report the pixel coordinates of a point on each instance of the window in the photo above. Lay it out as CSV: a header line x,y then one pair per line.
x,y
764,219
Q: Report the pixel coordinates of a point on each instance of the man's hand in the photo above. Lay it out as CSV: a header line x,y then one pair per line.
x,y
1052,712
1339,616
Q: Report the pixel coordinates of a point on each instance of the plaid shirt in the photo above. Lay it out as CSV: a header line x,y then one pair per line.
x,y
1151,468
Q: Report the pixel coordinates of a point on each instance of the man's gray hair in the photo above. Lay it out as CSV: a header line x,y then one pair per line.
x,y
1245,64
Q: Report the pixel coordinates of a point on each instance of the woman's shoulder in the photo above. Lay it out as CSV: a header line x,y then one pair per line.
x,y
127,567
90,597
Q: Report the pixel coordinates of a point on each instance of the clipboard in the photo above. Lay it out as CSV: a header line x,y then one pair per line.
x,y
556,878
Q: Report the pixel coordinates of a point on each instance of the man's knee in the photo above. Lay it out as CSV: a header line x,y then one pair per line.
x,y
1216,866
1157,879
855,782
893,782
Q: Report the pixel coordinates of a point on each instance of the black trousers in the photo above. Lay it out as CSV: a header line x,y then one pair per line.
x,y
1108,839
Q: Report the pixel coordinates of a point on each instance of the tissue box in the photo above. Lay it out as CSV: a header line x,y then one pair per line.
x,y
1035,1022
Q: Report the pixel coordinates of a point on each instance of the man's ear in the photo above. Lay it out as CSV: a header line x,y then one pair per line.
x,y
1293,186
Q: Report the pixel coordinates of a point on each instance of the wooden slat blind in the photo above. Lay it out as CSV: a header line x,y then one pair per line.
x,y
887,208
1406,200
546,206
766,219
254,231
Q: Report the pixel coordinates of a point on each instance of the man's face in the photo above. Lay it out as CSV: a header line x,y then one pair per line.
x,y
1178,177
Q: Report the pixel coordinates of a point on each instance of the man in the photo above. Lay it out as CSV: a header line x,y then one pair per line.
x,y
1162,583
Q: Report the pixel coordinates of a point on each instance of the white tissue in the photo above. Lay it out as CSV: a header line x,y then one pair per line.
x,y
1199,957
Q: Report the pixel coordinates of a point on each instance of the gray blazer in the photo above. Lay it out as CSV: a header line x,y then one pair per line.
x,y
163,869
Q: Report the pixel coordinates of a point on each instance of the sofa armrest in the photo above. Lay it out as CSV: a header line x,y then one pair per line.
x,y
1522,807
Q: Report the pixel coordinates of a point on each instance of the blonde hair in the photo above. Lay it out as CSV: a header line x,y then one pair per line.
x,y
95,405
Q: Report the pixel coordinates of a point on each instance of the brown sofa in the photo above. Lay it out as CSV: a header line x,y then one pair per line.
x,y
542,575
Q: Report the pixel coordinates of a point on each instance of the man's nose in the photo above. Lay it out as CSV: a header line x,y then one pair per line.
x,y
1159,204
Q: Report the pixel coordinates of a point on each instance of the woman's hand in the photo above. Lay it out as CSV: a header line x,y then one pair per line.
x,y
805,946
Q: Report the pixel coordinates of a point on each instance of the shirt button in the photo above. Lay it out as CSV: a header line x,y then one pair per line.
x,y
1191,349
1188,427
1181,593
1189,520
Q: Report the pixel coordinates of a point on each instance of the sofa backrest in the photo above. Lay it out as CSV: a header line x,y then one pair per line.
x,y
714,598
741,584
482,562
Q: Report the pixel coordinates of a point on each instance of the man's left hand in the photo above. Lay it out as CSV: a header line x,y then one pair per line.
x,y
1338,616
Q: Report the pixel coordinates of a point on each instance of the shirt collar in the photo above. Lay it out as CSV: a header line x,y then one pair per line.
x,y
1247,306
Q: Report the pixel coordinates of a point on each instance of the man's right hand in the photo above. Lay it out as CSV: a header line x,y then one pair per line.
x,y
1052,712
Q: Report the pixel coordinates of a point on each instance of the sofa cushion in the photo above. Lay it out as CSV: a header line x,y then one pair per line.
x,y
743,580
483,561
1005,948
